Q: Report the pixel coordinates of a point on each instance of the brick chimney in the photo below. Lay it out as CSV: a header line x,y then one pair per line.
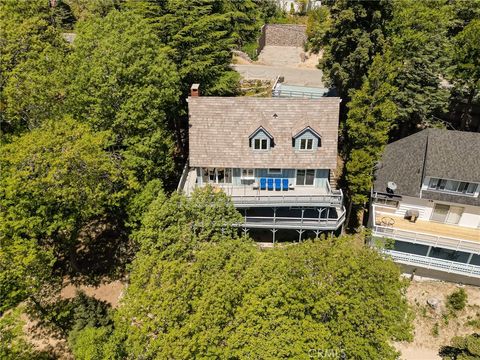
x,y
195,90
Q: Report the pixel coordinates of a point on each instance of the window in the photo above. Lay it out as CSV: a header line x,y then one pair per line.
x,y
275,171
459,187
305,177
217,175
306,144
260,144
248,174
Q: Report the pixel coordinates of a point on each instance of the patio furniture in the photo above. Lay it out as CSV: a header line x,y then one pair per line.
x,y
255,186
263,184
387,221
278,184
270,184
285,184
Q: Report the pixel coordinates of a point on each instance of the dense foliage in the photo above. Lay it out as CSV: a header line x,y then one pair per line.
x,y
399,66
196,290
462,348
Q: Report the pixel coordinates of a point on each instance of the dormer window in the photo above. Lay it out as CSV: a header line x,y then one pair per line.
x,y
261,139
260,144
306,144
306,139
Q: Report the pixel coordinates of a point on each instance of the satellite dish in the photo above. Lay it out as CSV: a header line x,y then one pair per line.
x,y
391,187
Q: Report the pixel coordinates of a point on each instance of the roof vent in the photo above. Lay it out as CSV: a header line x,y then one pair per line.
x,y
275,115
391,187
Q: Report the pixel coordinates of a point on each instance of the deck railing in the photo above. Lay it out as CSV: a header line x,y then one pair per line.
x,y
335,198
270,222
434,263
426,239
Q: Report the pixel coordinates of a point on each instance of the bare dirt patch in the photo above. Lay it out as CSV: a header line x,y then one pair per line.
x,y
435,328
109,292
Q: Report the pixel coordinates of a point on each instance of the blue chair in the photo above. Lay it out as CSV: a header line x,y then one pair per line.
x,y
270,184
285,184
278,184
263,184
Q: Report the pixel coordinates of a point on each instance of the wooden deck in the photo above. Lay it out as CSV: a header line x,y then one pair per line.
x,y
428,227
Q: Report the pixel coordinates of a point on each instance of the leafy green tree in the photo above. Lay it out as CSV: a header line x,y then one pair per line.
x,y
462,348
177,225
127,86
13,344
56,182
318,23
87,344
31,50
231,300
356,35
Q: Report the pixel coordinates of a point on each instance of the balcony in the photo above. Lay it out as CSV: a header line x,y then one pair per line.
x,y
245,196
300,223
434,263
428,233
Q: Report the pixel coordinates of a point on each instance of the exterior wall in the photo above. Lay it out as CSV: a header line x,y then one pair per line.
x,y
470,217
306,135
321,177
282,35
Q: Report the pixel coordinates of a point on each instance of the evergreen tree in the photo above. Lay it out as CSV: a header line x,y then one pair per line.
x,y
465,70
356,35
371,116
420,48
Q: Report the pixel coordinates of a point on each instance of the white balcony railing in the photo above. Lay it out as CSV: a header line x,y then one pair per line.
x,y
434,263
335,198
274,222
427,239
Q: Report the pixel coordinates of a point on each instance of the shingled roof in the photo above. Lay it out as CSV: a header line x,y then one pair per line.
x,y
445,154
219,130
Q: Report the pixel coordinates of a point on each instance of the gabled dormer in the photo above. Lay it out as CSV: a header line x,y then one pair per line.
x,y
306,139
260,139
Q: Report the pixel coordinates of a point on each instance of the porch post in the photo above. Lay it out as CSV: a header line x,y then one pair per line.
x,y
428,251
300,232
469,258
273,235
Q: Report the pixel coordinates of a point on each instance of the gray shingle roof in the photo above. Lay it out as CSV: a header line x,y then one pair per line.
x,y
445,154
219,128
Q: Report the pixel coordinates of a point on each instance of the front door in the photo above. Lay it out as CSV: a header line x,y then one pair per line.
x,y
440,213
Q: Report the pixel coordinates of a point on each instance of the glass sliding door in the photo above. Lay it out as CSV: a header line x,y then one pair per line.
x,y
305,177
440,213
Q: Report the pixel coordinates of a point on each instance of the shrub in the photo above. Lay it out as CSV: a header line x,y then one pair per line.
x,y
457,300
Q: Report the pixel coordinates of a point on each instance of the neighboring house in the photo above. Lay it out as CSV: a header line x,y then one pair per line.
x,y
426,198
275,157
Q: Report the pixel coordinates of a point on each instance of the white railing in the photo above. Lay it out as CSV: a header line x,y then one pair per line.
x,y
294,222
332,199
434,263
426,239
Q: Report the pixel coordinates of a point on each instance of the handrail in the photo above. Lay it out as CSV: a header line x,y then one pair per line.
x,y
433,263
419,236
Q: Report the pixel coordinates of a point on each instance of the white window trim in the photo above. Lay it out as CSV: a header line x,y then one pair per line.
x,y
306,144
274,172
216,176
426,187
314,178
247,177
261,139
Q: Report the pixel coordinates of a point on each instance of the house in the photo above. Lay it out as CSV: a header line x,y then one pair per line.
x,y
426,199
275,157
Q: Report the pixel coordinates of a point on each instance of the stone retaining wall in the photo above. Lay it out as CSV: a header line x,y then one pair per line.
x,y
282,35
